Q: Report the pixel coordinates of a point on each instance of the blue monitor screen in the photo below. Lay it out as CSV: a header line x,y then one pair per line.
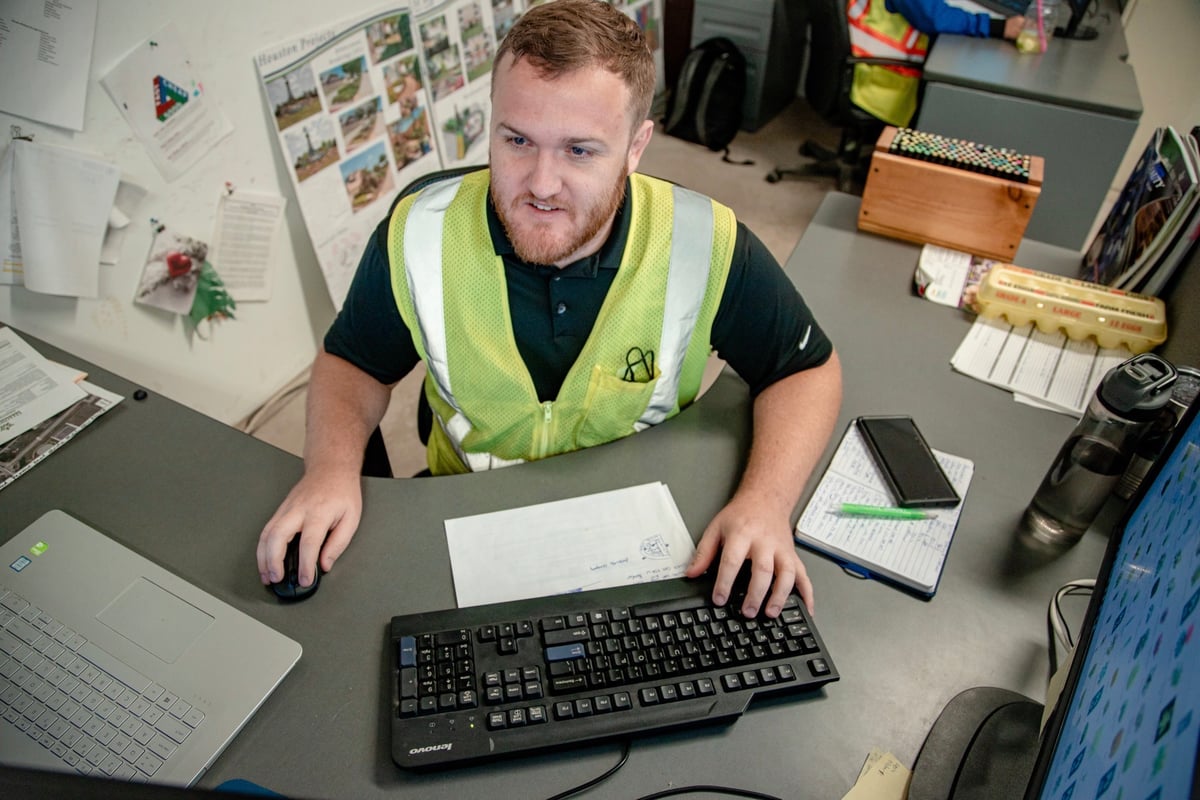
x,y
1130,729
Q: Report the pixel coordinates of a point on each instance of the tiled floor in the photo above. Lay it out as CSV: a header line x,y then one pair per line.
x,y
777,213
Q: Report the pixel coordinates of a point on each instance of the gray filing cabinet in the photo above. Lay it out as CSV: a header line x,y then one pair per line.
x,y
770,34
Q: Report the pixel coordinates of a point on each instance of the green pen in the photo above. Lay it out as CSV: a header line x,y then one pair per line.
x,y
884,512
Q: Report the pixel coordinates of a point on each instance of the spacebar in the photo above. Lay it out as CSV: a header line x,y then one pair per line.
x,y
126,675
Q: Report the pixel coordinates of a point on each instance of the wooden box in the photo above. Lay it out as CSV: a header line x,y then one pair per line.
x,y
924,202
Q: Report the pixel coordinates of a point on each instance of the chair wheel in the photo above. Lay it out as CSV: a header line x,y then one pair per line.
x,y
773,177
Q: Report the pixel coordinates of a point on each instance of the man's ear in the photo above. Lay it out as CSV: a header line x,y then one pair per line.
x,y
641,138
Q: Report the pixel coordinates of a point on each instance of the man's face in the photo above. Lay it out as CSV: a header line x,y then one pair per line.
x,y
560,152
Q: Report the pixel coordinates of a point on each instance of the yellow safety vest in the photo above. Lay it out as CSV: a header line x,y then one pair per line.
x,y
449,286
889,93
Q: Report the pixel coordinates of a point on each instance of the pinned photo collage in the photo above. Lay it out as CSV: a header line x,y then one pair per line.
x,y
364,108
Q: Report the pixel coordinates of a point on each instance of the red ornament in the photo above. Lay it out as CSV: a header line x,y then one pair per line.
x,y
178,264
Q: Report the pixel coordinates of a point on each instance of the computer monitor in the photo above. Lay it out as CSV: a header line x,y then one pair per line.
x,y
1128,722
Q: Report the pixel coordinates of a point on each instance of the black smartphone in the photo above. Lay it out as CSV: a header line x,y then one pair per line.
x,y
908,465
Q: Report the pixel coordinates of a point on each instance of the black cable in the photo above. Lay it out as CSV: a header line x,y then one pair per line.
x,y
583,787
730,790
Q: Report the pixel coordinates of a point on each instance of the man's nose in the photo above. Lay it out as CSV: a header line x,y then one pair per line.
x,y
545,181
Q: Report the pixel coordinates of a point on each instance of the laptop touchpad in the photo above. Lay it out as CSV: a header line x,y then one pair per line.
x,y
155,620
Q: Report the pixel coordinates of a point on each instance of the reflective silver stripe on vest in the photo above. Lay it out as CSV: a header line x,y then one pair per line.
x,y
423,246
687,281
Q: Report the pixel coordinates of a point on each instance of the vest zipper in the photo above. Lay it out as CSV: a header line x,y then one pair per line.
x,y
545,429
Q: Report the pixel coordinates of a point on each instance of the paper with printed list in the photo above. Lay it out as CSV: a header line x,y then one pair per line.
x,y
904,551
615,538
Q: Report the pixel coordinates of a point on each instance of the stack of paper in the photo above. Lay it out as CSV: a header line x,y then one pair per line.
x,y
1043,369
42,405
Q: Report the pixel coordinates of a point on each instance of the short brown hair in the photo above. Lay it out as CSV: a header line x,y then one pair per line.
x,y
566,35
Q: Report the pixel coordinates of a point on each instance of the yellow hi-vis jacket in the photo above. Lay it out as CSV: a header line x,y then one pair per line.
x,y
449,286
889,93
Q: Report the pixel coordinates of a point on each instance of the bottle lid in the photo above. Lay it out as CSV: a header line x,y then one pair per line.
x,y
1138,387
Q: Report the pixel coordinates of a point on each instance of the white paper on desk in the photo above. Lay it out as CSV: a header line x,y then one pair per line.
x,y
244,243
20,454
31,389
45,55
949,277
909,551
63,200
159,94
615,538
1050,368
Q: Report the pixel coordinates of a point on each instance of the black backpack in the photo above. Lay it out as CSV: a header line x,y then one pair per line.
x,y
706,103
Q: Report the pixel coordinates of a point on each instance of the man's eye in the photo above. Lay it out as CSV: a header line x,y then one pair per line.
x,y
519,141
580,152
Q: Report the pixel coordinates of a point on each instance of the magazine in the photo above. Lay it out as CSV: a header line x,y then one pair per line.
x,y
1150,210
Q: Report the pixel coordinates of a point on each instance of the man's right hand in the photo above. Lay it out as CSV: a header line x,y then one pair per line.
x,y
324,511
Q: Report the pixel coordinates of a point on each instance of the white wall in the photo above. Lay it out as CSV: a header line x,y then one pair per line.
x,y
247,359
1164,49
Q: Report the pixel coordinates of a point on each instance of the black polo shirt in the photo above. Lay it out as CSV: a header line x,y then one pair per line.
x,y
762,329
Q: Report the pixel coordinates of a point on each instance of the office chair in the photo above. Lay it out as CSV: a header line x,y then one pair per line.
x,y
376,463
827,90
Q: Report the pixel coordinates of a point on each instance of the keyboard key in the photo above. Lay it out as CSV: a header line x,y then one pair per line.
x,y
174,729
148,764
565,652
161,746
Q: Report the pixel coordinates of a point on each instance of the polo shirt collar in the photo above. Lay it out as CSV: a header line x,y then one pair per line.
x,y
607,257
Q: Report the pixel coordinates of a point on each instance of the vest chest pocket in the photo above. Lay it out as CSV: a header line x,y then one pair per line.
x,y
612,407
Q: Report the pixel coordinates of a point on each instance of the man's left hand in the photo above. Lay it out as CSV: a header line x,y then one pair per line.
x,y
742,532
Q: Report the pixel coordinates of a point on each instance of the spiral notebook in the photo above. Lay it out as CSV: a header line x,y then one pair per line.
x,y
907,553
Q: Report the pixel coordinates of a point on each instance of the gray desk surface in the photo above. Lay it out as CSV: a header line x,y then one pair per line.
x,y
1090,75
192,494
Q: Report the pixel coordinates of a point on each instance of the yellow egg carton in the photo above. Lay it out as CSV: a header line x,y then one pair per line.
x,y
1078,308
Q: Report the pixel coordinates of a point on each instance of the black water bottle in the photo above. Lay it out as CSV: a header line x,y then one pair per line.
x,y
1095,455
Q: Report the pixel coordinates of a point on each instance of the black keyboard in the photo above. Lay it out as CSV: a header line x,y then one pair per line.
x,y
496,680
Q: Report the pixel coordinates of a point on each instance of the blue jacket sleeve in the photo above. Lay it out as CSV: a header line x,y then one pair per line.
x,y
932,17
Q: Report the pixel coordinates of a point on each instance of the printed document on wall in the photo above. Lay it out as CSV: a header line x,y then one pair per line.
x,y
45,55
364,107
61,203
159,94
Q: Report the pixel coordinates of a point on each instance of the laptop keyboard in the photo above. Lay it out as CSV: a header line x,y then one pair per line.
x,y
496,680
93,712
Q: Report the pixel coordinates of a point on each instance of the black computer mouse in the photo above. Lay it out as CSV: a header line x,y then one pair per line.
x,y
289,589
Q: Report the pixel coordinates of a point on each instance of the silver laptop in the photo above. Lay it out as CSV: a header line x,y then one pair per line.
x,y
112,666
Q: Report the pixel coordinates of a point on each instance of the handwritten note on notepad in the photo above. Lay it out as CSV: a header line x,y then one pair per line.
x,y
907,552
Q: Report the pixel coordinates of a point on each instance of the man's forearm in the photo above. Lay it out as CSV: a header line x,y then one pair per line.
x,y
345,406
793,420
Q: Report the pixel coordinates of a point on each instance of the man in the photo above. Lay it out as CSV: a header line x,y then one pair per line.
x,y
538,295
901,29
